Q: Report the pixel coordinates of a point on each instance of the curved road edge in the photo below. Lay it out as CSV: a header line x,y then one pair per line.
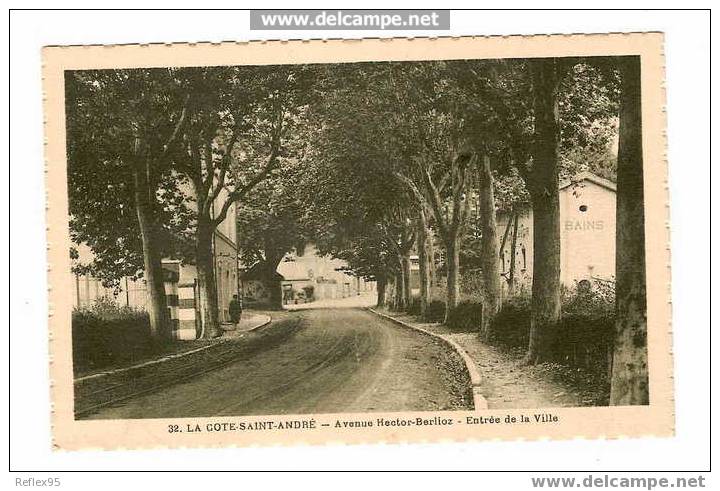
x,y
479,400
167,358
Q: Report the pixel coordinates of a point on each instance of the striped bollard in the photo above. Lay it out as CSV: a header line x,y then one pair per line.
x,y
187,324
171,297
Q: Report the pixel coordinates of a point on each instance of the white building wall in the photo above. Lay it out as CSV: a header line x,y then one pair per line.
x,y
225,273
587,236
587,232
228,227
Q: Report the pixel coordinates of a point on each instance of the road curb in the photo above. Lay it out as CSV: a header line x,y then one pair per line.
x,y
166,358
479,400
259,326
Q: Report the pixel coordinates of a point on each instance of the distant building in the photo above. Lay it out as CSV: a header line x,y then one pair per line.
x,y
259,290
302,276
308,276
587,234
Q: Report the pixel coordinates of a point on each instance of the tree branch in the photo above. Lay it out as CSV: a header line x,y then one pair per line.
x,y
464,208
224,166
436,204
413,188
460,171
178,126
240,193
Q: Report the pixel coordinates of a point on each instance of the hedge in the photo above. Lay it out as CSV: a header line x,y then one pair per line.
x,y
435,310
100,340
582,339
511,326
467,316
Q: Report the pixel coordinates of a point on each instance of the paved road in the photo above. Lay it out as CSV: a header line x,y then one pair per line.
x,y
359,301
335,360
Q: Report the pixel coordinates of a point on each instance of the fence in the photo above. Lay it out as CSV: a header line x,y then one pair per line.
x,y
130,293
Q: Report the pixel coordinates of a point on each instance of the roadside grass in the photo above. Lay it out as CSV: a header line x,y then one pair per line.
x,y
133,357
107,340
117,386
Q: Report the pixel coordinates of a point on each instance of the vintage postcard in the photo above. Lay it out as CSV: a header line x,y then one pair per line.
x,y
357,241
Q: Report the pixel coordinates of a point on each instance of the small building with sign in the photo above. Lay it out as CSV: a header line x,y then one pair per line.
x,y
587,234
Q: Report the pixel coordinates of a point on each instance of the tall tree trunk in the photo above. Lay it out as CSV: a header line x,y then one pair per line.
x,y
400,286
407,290
545,305
152,258
391,291
629,383
205,264
453,275
431,261
512,280
381,286
423,257
492,288
272,261
396,293
543,188
275,289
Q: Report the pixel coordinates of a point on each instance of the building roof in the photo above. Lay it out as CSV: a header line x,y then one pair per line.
x,y
293,271
589,176
256,272
576,179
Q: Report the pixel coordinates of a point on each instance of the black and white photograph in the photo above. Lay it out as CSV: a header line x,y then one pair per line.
x,y
267,240
399,241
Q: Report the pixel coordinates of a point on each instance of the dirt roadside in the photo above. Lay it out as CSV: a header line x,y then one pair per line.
x,y
506,383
